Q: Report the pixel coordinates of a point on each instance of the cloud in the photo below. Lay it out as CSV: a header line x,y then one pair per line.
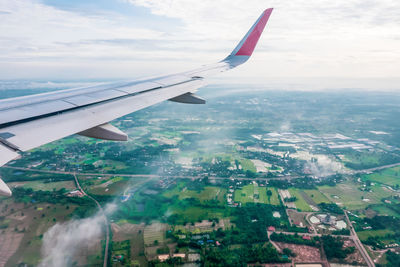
x,y
330,39
64,240
324,166
303,38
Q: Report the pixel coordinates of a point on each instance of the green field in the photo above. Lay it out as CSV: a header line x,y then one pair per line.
x,y
383,210
363,235
348,195
274,199
316,196
208,193
195,214
41,185
114,186
247,165
300,203
363,158
389,176
255,194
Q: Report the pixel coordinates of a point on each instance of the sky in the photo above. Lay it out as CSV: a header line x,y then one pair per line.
x,y
329,44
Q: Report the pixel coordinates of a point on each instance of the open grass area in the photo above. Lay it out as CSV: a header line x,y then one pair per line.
x,y
204,226
41,185
316,196
383,210
363,235
248,165
389,176
300,203
350,196
194,214
363,158
114,186
206,194
255,194
274,199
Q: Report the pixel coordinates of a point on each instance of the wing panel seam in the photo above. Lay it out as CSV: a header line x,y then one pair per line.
x,y
7,124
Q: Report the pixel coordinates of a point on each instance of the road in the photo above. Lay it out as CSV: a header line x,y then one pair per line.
x,y
288,177
358,243
105,262
309,234
376,168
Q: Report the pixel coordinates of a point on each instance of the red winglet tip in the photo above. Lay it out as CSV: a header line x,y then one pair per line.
x,y
269,10
252,39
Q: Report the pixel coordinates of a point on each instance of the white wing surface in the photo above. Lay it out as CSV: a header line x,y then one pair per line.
x,y
31,121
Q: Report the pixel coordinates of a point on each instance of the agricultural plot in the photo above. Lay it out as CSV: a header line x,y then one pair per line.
x,y
384,210
350,196
248,165
44,186
363,235
300,203
204,226
274,198
363,159
194,213
316,196
255,194
208,193
154,233
389,176
114,186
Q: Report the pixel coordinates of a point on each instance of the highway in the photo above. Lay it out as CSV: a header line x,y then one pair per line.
x,y
376,168
105,262
358,243
354,236
287,177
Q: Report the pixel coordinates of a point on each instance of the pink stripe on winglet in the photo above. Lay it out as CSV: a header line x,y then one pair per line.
x,y
248,46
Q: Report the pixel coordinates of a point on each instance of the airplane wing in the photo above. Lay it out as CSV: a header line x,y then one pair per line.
x,y
31,121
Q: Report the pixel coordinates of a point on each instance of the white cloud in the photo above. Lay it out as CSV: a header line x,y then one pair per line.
x,y
347,38
63,241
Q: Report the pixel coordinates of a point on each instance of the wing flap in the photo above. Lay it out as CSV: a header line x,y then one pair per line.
x,y
7,154
105,132
188,98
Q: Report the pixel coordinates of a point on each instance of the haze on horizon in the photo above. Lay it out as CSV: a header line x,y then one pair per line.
x,y
319,44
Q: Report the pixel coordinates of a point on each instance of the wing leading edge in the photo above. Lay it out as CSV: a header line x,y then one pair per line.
x,y
31,121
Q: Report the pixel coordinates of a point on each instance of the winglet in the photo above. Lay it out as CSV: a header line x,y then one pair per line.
x,y
245,48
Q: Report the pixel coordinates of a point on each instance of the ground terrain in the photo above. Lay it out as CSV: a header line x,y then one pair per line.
x,y
204,183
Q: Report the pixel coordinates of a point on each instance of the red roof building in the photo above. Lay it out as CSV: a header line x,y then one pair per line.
x,y
271,228
306,237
